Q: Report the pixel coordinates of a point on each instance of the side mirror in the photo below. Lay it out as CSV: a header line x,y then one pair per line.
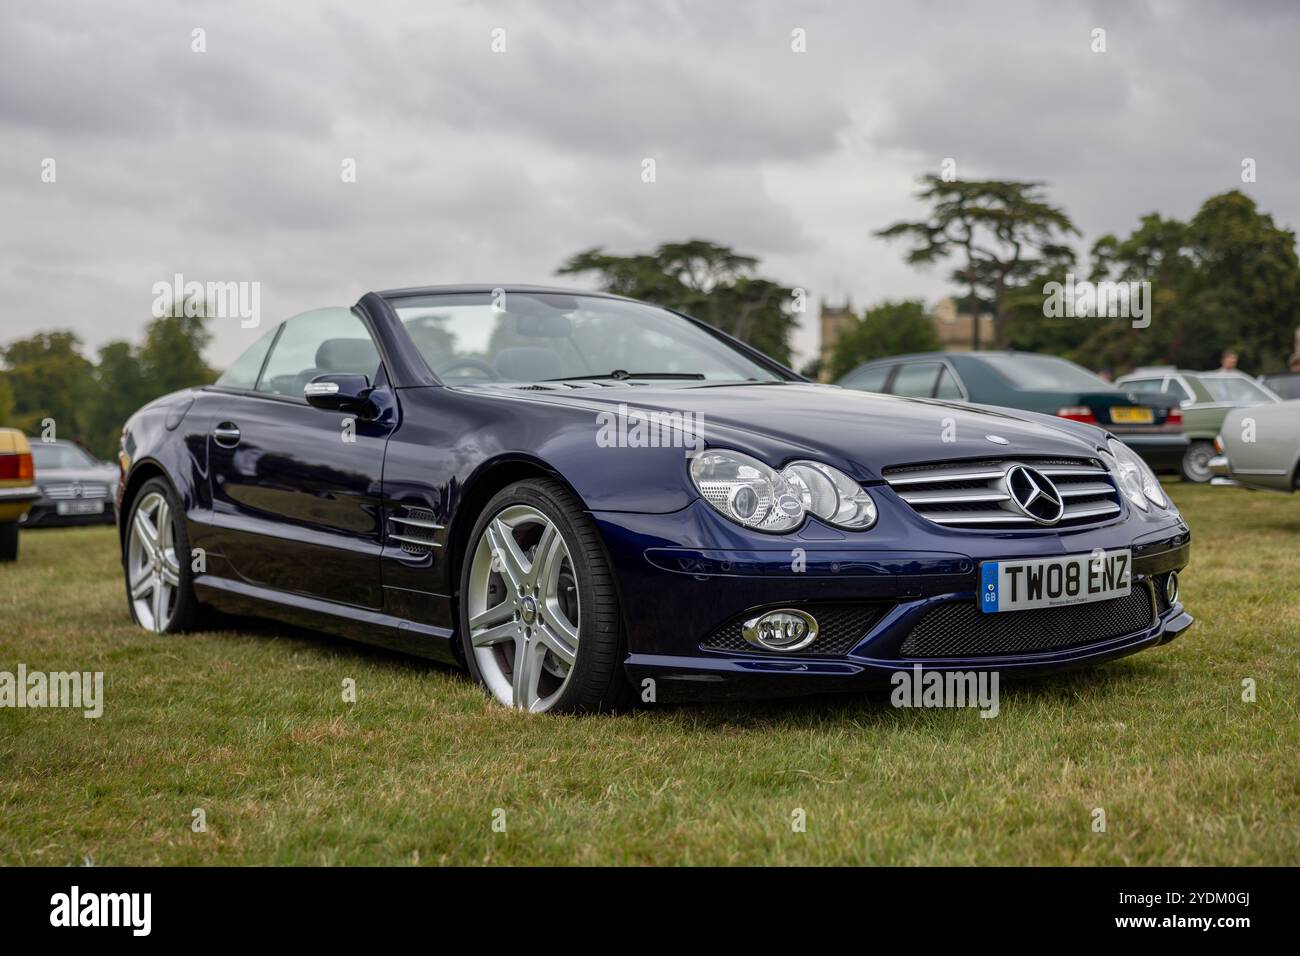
x,y
338,392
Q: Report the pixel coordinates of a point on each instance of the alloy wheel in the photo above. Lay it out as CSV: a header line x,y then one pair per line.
x,y
523,608
152,568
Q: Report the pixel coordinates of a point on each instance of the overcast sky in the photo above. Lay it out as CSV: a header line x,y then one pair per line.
x,y
474,165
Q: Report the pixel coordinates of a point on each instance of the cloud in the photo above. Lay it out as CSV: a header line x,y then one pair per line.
x,y
482,166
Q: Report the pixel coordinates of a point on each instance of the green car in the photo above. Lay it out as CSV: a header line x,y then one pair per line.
x,y
1206,398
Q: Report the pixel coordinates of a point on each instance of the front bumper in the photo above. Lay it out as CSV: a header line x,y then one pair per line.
x,y
45,513
677,596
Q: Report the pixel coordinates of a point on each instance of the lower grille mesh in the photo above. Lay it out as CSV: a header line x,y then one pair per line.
x,y
839,628
960,629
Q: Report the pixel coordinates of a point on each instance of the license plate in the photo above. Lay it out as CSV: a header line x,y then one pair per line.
x,y
1055,582
81,507
1129,415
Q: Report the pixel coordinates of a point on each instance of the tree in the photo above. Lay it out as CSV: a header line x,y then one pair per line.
x,y
1229,278
6,402
1004,231
171,357
891,328
49,378
120,389
709,281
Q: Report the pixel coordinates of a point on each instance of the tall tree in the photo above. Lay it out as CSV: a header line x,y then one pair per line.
x,y
1228,279
171,357
49,378
1003,231
891,328
712,282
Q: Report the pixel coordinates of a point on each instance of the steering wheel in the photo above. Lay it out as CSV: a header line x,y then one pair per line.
x,y
476,364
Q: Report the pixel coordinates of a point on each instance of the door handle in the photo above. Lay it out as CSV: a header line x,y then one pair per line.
x,y
226,435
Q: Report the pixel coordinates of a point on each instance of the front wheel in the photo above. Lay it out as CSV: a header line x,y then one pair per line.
x,y
540,623
156,563
1196,462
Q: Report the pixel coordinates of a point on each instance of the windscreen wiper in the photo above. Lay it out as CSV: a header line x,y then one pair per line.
x,y
619,375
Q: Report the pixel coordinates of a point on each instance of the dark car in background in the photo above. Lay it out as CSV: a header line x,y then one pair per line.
x,y
76,487
1152,425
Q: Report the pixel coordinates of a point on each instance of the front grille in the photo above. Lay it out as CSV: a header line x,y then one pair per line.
x,y
839,628
975,494
70,490
960,629
415,530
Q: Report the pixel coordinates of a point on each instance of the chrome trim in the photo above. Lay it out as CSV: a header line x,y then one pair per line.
x,y
417,523
942,493
422,542
750,630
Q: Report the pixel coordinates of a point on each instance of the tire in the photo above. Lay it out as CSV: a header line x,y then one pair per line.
x,y
9,541
1195,466
180,610
578,664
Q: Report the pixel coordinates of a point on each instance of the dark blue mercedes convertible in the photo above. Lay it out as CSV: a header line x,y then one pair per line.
x,y
587,500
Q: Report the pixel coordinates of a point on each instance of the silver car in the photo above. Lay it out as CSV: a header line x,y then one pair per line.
x,y
1259,447
76,487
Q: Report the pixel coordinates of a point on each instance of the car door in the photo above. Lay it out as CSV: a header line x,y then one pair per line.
x,y
296,490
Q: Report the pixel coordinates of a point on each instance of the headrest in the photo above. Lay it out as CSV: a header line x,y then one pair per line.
x,y
348,355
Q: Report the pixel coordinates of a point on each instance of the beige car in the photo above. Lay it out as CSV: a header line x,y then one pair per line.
x,y
18,490
1259,447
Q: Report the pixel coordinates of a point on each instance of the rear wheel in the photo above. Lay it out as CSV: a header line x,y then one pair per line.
x,y
540,623
156,562
9,541
1196,462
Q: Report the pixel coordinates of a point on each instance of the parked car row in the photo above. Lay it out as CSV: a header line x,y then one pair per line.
x,y
1206,398
49,483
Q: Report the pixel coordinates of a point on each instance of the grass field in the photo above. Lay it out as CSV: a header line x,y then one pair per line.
x,y
251,727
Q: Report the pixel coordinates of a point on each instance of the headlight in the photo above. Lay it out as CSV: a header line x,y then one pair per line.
x,y
1136,480
752,494
831,495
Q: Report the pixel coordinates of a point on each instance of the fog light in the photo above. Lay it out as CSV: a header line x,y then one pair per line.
x,y
1171,588
786,629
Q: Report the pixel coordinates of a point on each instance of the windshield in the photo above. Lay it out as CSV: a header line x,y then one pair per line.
x,y
1046,372
1234,388
51,455
471,338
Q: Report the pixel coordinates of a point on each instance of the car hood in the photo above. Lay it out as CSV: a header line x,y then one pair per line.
x,y
860,432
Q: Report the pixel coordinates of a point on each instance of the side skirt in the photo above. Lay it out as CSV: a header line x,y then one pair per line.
x,y
358,624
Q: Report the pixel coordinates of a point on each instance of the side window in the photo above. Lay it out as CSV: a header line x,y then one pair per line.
x,y
1174,388
324,340
869,379
243,370
948,387
916,380
1144,385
